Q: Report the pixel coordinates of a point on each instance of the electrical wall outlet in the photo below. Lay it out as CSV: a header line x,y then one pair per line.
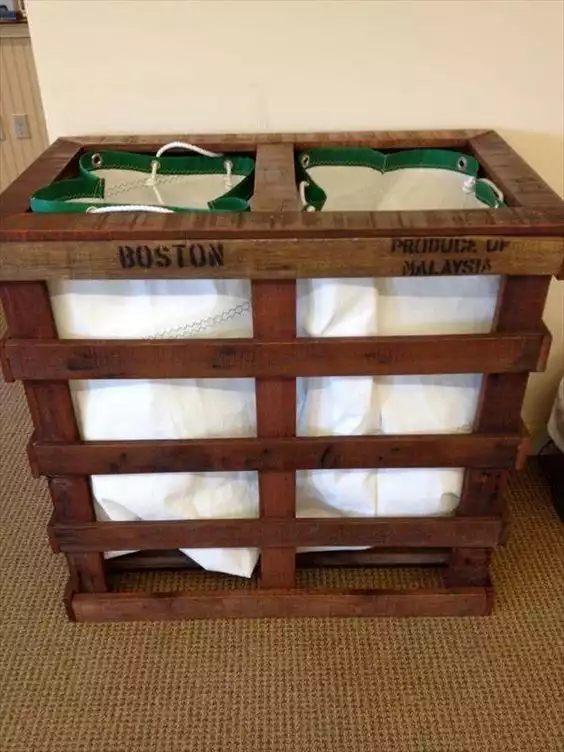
x,y
20,126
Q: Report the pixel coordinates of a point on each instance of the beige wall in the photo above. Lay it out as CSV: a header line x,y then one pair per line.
x,y
19,94
139,66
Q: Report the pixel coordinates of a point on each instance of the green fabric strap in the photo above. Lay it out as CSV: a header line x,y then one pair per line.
x,y
58,196
441,159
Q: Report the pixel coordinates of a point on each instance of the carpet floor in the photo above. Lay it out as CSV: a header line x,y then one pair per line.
x,y
493,684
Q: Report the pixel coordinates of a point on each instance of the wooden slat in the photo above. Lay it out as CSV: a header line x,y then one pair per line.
x,y
278,532
28,314
51,165
142,606
277,454
133,228
5,369
153,560
418,355
129,256
521,303
518,181
445,139
274,318
275,176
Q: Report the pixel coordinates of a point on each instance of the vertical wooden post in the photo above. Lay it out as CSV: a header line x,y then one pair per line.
x,y
274,318
28,313
520,307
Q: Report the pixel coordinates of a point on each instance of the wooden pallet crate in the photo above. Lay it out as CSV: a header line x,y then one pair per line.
x,y
273,245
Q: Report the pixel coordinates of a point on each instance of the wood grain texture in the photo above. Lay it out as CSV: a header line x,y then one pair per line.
x,y
51,165
362,356
5,369
154,560
28,314
520,184
277,454
520,305
274,318
278,532
142,606
445,139
294,256
144,227
275,180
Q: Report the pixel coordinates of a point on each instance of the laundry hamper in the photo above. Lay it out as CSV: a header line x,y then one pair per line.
x,y
295,370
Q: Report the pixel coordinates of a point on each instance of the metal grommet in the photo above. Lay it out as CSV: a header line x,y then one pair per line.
x,y
305,160
462,163
96,160
90,209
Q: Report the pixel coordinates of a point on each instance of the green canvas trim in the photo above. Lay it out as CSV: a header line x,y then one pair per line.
x,y
58,196
441,159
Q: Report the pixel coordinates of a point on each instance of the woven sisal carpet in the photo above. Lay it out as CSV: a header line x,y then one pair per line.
x,y
434,685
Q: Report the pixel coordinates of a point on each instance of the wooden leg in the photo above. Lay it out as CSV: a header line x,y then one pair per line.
x,y
28,312
520,306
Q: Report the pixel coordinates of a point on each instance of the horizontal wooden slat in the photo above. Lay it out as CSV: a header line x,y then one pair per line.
x,y
272,257
303,453
143,606
48,360
369,558
441,532
456,138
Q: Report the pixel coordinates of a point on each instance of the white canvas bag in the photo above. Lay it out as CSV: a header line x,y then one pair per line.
x,y
366,180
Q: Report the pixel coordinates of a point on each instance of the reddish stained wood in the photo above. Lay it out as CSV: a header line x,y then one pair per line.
x,y
444,139
30,451
5,363
144,560
157,228
51,165
142,606
99,359
277,454
28,314
518,181
281,533
520,305
468,567
275,176
289,256
274,318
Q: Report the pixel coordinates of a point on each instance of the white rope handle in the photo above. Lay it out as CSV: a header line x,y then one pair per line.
x,y
128,208
469,186
176,145
155,164
185,145
302,188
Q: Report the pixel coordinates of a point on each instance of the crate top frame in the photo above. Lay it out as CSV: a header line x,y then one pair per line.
x,y
276,239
